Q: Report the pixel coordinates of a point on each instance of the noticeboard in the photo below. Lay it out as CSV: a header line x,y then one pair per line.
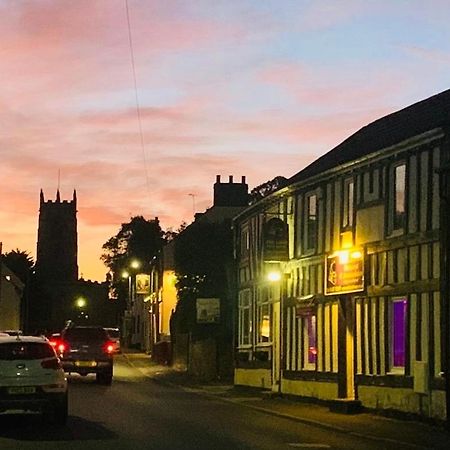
x,y
208,310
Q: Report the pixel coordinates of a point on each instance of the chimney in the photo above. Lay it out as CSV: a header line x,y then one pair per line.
x,y
230,194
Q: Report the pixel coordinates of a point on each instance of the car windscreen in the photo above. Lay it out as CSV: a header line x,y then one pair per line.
x,y
25,350
85,334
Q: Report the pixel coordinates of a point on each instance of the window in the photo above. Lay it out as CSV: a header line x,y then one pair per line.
x,y
245,319
264,317
245,242
311,222
309,341
398,333
13,351
399,196
347,217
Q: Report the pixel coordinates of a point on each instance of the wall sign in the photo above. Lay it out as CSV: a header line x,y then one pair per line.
x,y
208,310
344,272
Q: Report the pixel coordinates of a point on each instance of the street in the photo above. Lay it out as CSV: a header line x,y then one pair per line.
x,y
137,413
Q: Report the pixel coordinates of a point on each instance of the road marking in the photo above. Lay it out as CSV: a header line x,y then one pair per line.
x,y
297,445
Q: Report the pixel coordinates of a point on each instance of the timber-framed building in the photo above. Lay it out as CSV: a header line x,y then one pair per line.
x,y
356,248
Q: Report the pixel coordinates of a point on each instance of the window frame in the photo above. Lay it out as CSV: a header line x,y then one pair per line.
x,y
308,321
245,326
348,203
264,311
398,214
311,222
395,368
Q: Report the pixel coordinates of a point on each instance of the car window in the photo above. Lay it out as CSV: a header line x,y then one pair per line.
x,y
85,334
25,350
113,333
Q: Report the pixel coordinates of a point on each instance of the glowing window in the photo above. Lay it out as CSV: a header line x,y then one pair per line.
x,y
398,330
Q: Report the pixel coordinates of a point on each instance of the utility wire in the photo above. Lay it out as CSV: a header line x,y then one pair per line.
x,y
138,108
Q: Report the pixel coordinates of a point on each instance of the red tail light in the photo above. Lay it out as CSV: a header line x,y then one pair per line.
x,y
53,363
59,346
108,347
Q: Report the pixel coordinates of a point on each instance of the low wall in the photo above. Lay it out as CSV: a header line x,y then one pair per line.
x,y
403,400
260,378
321,390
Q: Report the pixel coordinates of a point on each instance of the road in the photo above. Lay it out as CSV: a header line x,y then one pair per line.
x,y
137,413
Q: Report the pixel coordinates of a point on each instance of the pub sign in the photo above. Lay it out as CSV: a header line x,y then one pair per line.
x,y
344,272
275,240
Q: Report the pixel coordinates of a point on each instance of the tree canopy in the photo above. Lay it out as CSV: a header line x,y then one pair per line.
x,y
264,189
139,239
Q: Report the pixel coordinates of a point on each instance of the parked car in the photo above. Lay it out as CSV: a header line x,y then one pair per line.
x,y
87,349
32,378
114,334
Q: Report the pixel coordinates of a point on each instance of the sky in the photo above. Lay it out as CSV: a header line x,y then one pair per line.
x,y
254,88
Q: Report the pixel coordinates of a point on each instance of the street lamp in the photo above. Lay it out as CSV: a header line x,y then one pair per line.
x,y
80,304
275,275
127,274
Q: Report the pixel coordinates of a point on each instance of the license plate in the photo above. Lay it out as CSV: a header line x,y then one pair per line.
x,y
22,390
86,363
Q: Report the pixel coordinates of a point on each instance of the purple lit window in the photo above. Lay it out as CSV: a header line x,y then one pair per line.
x,y
312,349
399,332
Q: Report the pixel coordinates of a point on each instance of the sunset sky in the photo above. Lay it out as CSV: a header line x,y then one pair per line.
x,y
232,87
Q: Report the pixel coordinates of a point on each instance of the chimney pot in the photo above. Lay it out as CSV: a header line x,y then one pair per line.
x,y
231,178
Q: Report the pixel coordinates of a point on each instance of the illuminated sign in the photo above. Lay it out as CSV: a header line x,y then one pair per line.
x,y
142,283
344,272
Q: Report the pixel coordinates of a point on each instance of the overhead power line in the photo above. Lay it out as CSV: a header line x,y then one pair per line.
x,y
136,94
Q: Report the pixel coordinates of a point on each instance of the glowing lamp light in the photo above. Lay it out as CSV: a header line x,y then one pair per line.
x,y
356,255
135,264
81,302
343,256
125,274
274,275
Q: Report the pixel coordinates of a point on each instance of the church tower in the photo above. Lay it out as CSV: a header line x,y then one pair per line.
x,y
57,244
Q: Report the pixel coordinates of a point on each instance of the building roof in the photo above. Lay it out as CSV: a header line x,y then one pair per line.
x,y
426,115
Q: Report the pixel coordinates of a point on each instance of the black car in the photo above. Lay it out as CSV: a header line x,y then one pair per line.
x,y
87,349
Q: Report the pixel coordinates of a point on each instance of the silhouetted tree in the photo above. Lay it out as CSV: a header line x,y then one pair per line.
x,y
138,239
203,255
266,188
20,262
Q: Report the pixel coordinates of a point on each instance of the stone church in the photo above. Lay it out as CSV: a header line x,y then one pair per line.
x,y
56,290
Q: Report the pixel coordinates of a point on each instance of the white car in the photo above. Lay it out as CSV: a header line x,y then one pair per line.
x,y
32,378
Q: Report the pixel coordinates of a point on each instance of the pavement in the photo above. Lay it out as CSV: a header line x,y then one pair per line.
x,y
369,425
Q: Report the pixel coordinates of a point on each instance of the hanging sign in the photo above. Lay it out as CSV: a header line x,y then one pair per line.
x,y
142,283
275,240
344,272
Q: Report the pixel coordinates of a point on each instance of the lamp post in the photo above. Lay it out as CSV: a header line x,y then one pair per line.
x,y
128,319
276,275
